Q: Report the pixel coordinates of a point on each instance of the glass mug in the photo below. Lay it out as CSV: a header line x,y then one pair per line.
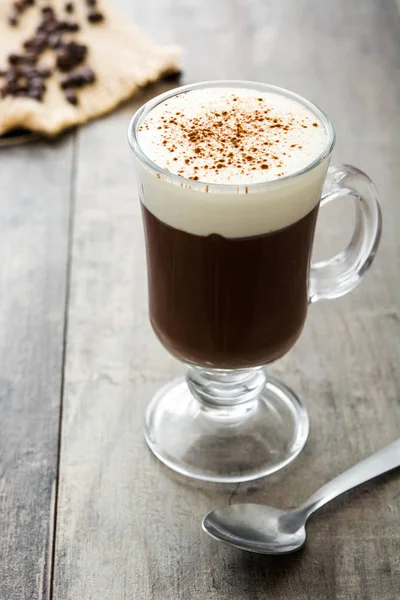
x,y
227,306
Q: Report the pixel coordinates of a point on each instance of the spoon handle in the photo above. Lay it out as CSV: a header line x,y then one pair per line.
x,y
382,461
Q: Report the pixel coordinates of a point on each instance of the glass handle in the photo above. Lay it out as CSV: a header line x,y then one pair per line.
x,y
340,274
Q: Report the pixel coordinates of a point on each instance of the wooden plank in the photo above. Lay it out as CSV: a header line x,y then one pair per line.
x,y
34,221
130,528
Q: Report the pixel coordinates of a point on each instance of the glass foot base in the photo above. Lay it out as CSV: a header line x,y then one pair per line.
x,y
221,446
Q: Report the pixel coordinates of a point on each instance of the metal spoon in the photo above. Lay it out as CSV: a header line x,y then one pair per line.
x,y
267,530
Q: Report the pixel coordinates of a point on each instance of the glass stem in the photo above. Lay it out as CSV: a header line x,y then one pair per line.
x,y
226,394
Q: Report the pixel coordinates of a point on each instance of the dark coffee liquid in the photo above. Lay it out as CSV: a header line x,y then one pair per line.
x,y
228,303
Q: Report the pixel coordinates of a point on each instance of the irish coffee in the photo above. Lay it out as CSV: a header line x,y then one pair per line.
x,y
229,232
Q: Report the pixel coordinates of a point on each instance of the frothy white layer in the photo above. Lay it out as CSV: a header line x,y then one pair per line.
x,y
231,135
239,209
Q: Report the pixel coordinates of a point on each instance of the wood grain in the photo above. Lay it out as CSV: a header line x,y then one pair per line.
x,y
127,526
34,221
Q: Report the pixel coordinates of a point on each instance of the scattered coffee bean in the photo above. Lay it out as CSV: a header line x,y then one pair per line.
x,y
77,78
24,71
48,11
68,26
36,44
11,88
10,76
55,40
19,6
70,55
77,50
13,19
63,59
35,94
65,81
95,16
21,59
30,43
49,26
88,75
172,76
37,83
71,97
43,72
69,7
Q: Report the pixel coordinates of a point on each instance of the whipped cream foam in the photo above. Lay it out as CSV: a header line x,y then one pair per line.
x,y
236,137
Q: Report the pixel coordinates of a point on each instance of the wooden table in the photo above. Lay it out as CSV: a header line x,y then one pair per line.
x,y
86,512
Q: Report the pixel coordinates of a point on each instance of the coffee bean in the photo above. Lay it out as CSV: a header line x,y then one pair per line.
x,y
19,6
17,59
11,77
29,43
76,49
77,78
11,89
36,44
48,11
35,94
40,39
70,55
69,7
49,26
11,86
63,59
37,83
71,97
31,58
43,72
33,52
13,59
13,19
95,17
24,71
91,2
65,81
73,27
87,75
68,26
172,76
55,40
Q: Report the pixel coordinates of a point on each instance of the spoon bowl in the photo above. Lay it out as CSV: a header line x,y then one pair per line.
x,y
267,530
255,528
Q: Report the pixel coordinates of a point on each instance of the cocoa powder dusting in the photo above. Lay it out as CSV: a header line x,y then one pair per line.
x,y
235,137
